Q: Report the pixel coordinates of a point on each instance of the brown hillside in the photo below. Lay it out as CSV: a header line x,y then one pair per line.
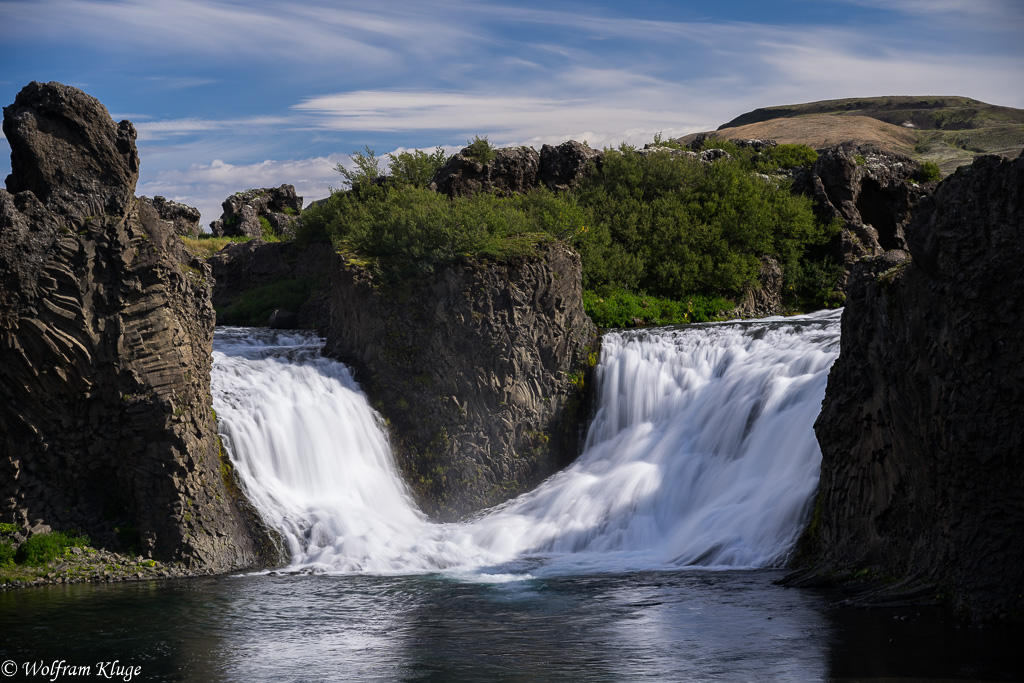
x,y
824,130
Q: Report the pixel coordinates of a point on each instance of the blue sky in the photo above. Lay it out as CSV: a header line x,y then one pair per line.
x,y
230,95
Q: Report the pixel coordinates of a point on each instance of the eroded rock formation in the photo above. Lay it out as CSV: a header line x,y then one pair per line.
x,y
480,369
183,219
261,212
516,169
871,190
923,452
105,335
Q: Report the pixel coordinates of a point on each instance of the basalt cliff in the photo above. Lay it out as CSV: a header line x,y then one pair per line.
x,y
106,326
482,370
922,482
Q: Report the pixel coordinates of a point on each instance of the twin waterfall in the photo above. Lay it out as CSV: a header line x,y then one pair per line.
x,y
701,453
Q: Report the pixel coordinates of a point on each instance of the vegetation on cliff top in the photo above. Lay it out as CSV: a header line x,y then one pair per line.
x,y
663,238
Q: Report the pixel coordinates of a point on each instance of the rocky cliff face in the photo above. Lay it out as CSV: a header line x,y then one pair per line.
x,y
292,278
105,336
923,452
481,372
870,190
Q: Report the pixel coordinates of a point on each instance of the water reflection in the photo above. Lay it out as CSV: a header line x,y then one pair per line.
x,y
658,626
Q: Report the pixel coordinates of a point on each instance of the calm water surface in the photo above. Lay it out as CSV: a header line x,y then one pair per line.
x,y
654,626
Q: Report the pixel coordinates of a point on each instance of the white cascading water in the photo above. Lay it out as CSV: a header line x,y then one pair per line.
x,y
701,453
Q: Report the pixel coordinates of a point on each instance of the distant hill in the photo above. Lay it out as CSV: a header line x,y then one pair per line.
x,y
949,131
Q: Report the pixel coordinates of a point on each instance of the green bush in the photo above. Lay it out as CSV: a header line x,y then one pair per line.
x,y
479,149
7,553
41,548
416,168
789,156
928,172
650,229
367,168
626,309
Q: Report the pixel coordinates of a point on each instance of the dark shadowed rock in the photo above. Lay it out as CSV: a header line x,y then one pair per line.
x,y
67,151
105,340
562,167
922,470
280,207
872,191
480,370
513,169
298,271
183,219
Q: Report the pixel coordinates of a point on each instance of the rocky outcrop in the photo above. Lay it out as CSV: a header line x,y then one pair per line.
x,y
263,212
480,369
182,218
291,278
922,476
562,166
765,298
516,170
105,338
513,169
870,190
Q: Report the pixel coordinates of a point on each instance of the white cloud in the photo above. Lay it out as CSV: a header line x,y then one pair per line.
x,y
205,186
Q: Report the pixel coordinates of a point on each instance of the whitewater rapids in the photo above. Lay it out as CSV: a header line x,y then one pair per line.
x,y
701,454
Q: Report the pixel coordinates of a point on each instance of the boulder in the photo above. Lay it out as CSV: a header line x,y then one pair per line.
x,y
922,480
563,166
280,207
182,218
106,327
481,370
513,169
66,150
870,190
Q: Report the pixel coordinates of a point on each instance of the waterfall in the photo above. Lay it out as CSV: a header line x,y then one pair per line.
x,y
701,453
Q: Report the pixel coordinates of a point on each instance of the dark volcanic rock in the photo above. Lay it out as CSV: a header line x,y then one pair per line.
x,y
563,166
513,169
67,151
278,206
183,219
872,191
923,451
303,271
480,370
105,338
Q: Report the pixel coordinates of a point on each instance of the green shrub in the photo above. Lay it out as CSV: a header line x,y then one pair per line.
x,y
626,309
42,548
479,149
367,168
416,168
789,156
928,172
6,528
7,553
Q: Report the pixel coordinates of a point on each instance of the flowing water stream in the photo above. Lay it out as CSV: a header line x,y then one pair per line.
x,y
649,559
701,454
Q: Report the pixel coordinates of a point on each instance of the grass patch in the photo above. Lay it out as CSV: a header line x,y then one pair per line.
x,y
252,308
41,548
206,246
